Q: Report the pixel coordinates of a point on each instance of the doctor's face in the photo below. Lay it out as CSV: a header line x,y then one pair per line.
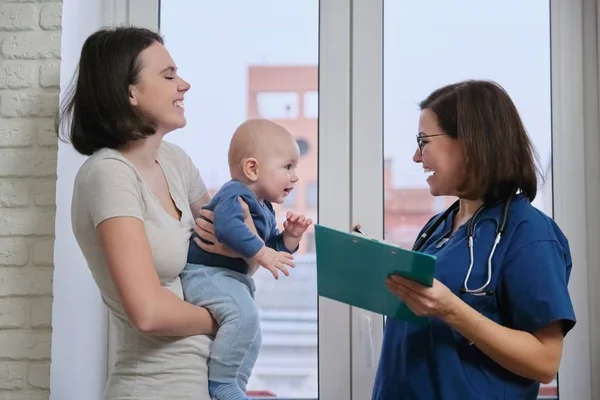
x,y
441,156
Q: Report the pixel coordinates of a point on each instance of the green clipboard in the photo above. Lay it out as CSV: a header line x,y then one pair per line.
x,y
352,269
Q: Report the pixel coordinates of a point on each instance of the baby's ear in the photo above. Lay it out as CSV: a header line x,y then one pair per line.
x,y
250,168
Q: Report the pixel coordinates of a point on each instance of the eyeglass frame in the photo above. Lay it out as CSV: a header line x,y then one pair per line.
x,y
421,145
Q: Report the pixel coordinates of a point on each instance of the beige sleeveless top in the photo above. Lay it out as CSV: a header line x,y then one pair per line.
x,y
108,185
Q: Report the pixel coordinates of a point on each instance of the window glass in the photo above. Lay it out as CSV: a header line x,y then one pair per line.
x,y
431,43
311,194
277,105
246,60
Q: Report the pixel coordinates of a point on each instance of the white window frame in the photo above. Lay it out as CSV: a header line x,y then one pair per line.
x,y
367,173
575,152
351,134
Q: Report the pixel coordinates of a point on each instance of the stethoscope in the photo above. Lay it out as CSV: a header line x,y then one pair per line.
x,y
483,290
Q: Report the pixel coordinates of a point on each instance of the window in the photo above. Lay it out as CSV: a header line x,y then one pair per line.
x,y
310,242
245,71
303,146
502,37
311,105
360,125
383,34
275,105
290,200
311,195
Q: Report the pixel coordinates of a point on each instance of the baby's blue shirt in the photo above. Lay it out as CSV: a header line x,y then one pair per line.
x,y
231,231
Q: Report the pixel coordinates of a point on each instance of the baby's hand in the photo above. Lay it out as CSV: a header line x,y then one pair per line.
x,y
295,225
274,261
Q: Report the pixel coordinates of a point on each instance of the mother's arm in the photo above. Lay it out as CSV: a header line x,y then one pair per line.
x,y
112,196
196,206
152,308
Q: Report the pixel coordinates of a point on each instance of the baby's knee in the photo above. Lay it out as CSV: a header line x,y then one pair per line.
x,y
246,318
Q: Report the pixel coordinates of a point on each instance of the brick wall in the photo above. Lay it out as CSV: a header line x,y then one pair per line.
x,y
30,34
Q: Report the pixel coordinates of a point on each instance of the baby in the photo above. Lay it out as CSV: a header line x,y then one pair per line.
x,y
262,161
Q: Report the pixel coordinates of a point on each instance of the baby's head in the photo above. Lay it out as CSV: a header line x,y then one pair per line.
x,y
264,156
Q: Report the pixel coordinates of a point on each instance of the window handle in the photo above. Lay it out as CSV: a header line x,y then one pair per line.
x,y
367,339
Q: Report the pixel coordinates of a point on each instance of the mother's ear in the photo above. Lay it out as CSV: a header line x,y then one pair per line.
x,y
132,91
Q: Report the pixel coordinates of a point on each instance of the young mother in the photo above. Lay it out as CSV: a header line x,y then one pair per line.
x,y
133,209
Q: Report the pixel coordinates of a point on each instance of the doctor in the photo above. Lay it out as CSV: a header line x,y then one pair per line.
x,y
496,328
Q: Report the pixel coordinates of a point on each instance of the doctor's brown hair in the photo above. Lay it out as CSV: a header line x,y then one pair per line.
x,y
500,158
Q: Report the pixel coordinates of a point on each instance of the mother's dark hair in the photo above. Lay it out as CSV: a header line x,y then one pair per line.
x,y
499,154
96,113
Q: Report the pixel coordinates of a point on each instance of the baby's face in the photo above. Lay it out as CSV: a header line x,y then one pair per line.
x,y
277,174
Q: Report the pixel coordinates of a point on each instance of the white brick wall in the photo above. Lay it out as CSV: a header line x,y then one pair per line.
x,y
30,34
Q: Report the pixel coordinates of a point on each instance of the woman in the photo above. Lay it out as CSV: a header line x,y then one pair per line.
x,y
501,341
132,212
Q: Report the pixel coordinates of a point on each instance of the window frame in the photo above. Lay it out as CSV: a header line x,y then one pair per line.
x,y
367,173
575,148
351,113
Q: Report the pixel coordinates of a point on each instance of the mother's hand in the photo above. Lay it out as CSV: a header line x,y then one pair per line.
x,y
435,301
205,229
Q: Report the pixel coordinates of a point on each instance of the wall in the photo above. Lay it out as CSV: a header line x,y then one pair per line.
x,y
79,340
30,35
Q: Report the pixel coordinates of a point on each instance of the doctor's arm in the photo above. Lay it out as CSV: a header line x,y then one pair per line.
x,y
531,355
533,292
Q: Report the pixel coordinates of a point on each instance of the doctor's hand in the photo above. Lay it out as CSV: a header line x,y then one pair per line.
x,y
357,230
435,301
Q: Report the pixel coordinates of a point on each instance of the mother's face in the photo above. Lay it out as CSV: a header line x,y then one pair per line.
x,y
158,94
441,155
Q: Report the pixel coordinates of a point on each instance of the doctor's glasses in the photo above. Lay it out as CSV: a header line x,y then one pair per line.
x,y
421,140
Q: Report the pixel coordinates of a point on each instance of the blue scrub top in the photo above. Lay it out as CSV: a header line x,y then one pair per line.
x,y
530,271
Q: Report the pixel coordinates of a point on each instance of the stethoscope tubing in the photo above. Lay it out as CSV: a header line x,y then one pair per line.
x,y
481,291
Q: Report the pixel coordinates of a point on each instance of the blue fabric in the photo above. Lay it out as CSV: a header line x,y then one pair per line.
x,y
530,272
229,296
231,231
225,391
